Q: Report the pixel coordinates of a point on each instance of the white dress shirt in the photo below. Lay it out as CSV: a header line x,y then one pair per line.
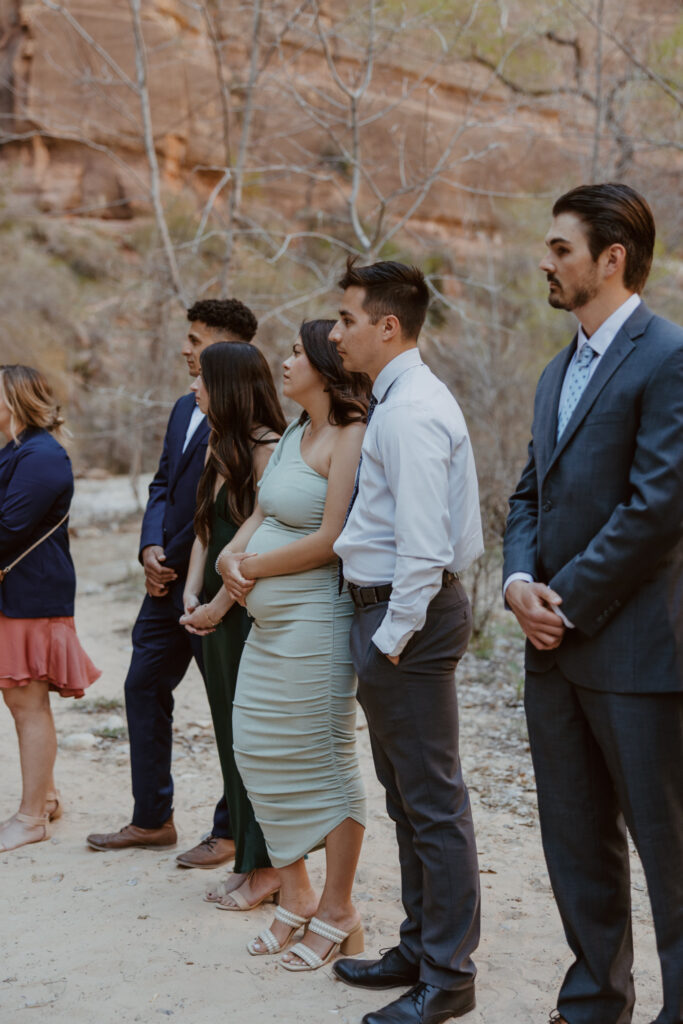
x,y
195,419
599,342
417,509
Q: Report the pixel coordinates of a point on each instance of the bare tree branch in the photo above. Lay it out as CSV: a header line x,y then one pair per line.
x,y
148,137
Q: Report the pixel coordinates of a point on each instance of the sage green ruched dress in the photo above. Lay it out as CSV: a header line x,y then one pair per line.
x,y
294,713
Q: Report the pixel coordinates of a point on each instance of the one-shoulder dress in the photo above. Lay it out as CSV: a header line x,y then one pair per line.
x,y
294,713
222,650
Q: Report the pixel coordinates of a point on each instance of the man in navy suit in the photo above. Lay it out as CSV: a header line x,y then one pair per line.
x,y
162,648
594,573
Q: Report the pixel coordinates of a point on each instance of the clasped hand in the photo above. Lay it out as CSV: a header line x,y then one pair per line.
x,y
196,618
234,573
158,577
534,604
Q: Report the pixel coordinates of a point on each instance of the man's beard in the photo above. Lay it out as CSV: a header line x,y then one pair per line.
x,y
582,294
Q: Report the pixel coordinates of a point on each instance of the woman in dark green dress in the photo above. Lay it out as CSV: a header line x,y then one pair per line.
x,y
235,389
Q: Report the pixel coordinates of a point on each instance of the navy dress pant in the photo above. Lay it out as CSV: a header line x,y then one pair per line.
x,y
162,652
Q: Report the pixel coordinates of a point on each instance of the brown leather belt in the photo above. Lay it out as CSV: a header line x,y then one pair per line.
x,y
364,596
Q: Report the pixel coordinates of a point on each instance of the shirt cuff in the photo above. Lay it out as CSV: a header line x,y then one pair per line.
x,y
526,577
568,624
385,644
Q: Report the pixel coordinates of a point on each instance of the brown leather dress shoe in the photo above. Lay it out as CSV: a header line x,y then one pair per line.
x,y
131,835
210,853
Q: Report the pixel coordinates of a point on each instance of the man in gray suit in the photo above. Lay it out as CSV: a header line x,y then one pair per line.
x,y
594,573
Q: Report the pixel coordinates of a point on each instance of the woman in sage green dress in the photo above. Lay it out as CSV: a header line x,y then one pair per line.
x,y
235,389
295,708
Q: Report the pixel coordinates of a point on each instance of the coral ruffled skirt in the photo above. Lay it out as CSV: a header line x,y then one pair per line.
x,y
44,649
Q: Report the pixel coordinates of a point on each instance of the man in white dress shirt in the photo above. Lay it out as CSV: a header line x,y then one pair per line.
x,y
413,525
594,573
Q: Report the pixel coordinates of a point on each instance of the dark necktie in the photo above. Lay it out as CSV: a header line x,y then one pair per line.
x,y
340,567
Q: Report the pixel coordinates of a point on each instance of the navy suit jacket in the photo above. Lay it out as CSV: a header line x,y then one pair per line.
x,y
168,519
36,487
598,516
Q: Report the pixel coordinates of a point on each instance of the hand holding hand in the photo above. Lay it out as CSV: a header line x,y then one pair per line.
x,y
533,605
190,602
198,621
157,575
230,565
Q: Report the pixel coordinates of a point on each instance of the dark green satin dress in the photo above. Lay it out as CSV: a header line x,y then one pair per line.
x,y
222,650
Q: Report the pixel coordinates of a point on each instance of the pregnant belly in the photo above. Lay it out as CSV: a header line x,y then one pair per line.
x,y
274,598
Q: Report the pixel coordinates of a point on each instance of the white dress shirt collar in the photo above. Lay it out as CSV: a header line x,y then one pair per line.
x,y
607,330
389,373
195,419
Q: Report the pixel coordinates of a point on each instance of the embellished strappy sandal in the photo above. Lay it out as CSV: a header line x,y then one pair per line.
x,y
242,903
348,943
222,889
58,809
267,939
22,829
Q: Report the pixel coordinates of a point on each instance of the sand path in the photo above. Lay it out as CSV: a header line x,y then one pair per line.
x,y
126,937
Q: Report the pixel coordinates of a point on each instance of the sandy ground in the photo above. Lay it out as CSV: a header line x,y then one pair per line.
x,y
126,937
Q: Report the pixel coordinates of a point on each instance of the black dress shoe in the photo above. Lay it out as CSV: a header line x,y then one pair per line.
x,y
425,1004
390,971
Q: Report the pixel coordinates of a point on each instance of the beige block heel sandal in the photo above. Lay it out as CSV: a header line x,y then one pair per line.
x,y
267,939
348,943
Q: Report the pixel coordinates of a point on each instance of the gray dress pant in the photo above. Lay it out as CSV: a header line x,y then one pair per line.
x,y
604,762
412,713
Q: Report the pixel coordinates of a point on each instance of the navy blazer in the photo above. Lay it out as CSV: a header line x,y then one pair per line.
x,y
168,519
598,516
36,487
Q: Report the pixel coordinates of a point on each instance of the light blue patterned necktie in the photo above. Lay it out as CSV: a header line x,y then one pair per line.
x,y
577,379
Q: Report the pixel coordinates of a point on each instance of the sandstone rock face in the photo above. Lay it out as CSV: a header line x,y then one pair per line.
x,y
258,97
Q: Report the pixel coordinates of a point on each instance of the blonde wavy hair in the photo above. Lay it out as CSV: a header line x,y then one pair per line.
x,y
30,400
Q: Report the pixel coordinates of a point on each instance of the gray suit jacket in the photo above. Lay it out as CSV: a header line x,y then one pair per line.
x,y
598,516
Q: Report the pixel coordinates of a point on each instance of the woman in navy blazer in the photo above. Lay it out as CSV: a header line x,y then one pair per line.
x,y
39,649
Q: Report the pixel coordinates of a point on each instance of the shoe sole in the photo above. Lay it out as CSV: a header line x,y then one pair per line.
x,y
374,988
204,867
130,846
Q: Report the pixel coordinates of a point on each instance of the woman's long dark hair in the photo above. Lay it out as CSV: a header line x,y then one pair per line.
x,y
242,397
349,392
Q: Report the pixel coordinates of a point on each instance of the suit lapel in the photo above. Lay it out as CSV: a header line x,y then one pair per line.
x,y
620,348
200,434
544,440
180,458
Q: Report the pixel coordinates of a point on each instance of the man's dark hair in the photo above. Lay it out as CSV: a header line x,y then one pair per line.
x,y
390,289
614,213
226,314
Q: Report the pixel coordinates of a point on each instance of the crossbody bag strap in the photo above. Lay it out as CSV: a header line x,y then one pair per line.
x,y
3,572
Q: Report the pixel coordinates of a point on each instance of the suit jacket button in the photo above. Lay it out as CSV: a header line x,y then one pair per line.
x,y
547,505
